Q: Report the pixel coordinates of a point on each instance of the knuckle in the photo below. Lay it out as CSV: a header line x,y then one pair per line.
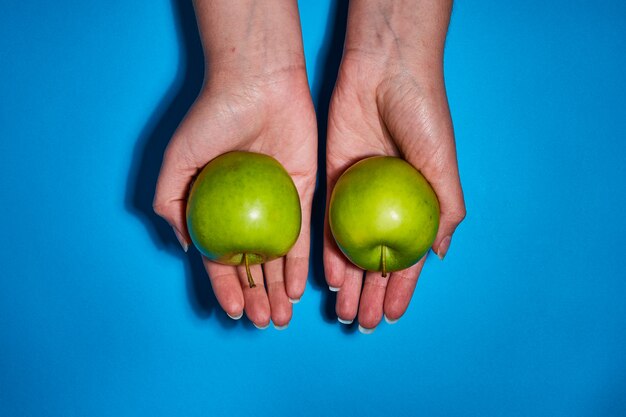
x,y
458,215
159,208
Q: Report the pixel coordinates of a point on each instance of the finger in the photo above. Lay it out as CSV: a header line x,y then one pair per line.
x,y
336,266
427,143
372,299
257,305
226,287
347,304
170,199
443,176
335,263
452,210
400,290
297,260
297,268
280,307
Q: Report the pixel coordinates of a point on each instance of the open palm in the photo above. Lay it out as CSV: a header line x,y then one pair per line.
x,y
271,114
398,114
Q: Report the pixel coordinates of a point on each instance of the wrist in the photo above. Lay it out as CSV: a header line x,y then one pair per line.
x,y
257,85
406,35
254,72
247,62
370,72
376,66
250,38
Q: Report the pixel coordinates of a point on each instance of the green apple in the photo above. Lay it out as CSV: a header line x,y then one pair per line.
x,y
243,209
383,214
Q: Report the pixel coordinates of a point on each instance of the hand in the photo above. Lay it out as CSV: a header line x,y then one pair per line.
x,y
252,104
388,101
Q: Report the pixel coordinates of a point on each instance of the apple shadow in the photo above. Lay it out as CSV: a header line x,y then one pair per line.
x,y
326,75
147,157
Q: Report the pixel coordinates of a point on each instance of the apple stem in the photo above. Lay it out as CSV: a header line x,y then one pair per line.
x,y
383,259
250,280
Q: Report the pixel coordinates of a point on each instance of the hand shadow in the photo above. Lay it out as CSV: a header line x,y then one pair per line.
x,y
326,72
147,157
148,153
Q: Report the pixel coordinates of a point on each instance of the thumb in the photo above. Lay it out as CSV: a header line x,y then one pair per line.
x,y
447,186
170,199
443,176
422,127
442,172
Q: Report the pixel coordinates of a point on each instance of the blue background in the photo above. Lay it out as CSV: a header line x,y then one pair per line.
x,y
101,314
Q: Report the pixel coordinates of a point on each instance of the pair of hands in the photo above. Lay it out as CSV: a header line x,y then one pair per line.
x,y
389,99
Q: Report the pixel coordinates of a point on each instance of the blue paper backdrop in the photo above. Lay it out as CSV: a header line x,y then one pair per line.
x,y
101,314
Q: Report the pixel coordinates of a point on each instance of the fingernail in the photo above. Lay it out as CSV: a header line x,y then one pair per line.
x,y
443,247
281,327
294,300
181,240
235,317
342,321
261,328
388,320
365,330
333,289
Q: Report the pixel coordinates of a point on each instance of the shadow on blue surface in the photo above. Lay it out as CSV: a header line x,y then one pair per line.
x,y
161,126
148,155
326,73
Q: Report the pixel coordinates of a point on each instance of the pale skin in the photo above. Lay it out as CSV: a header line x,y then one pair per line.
x,y
255,98
389,100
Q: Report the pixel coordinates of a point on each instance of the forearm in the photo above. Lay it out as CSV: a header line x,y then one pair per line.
x,y
248,36
410,33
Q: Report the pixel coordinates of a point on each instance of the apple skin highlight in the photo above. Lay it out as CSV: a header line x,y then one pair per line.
x,y
383,214
243,209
